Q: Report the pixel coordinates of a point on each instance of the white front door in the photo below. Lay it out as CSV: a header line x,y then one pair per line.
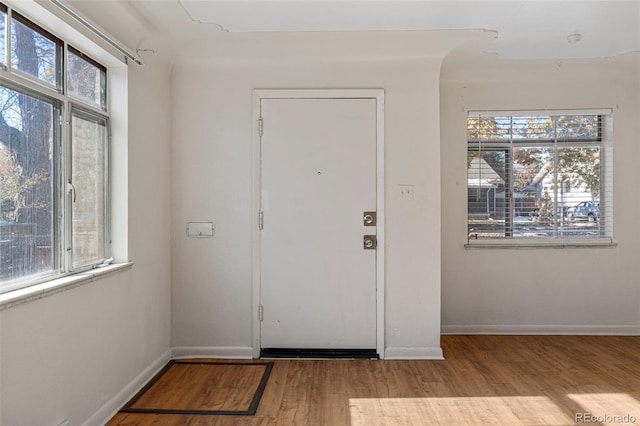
x,y
318,177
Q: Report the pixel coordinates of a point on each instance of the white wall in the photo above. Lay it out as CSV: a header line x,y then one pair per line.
x,y
572,290
67,355
211,160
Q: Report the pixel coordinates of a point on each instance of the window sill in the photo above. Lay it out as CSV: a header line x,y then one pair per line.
x,y
38,291
529,244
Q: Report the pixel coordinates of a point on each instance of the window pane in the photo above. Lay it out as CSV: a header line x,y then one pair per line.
x,y
26,177
579,191
533,128
489,128
581,127
34,51
533,192
3,41
486,183
89,149
86,79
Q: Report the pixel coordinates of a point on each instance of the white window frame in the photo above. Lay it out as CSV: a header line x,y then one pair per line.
x,y
82,112
606,185
63,275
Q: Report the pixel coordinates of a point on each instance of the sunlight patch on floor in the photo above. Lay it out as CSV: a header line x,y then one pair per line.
x,y
481,411
608,408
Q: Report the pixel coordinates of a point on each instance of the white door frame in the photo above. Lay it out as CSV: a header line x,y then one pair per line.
x,y
258,95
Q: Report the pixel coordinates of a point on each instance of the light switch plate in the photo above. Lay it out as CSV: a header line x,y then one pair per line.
x,y
200,229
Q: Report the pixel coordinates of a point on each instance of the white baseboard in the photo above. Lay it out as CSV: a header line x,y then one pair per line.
x,y
111,407
230,352
595,330
434,353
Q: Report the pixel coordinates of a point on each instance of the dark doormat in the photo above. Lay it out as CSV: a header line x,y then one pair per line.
x,y
203,388
319,353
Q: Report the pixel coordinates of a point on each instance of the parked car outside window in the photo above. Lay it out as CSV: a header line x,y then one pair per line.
x,y
588,210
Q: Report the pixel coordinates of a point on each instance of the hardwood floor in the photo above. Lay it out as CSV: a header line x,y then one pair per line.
x,y
485,380
209,386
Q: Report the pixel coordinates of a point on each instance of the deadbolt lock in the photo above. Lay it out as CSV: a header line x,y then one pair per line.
x,y
370,242
369,218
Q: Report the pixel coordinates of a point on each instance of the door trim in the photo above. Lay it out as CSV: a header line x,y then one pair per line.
x,y
258,95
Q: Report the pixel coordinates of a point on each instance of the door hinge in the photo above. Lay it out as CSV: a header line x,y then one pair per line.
x,y
260,219
260,126
260,313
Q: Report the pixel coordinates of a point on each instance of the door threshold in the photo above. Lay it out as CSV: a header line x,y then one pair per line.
x,y
297,353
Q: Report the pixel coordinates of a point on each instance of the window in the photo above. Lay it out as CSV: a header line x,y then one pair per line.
x,y
27,196
538,176
86,78
54,178
3,23
89,176
35,51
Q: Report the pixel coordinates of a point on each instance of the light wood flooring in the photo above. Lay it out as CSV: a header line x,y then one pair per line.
x,y
484,380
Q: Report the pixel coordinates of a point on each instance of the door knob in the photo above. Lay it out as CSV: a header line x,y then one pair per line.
x,y
370,242
369,218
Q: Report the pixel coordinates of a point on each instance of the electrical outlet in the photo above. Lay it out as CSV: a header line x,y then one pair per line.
x,y
405,192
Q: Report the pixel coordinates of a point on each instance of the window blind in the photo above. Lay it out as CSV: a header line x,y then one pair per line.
x,y
539,175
